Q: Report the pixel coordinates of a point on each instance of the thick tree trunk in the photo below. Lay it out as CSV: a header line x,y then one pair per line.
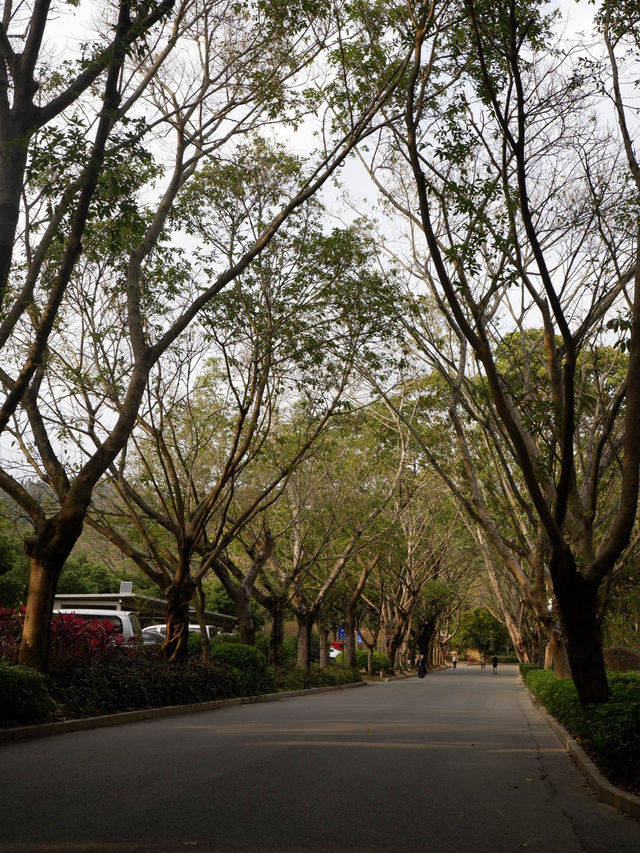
x,y
198,603
323,633
350,640
47,551
392,645
305,624
277,633
424,641
556,650
178,596
12,165
246,625
578,602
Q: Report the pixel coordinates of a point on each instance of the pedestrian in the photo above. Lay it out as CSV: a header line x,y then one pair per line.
x,y
454,659
494,661
422,666
483,662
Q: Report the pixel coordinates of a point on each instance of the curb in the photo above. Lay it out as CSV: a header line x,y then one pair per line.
x,y
50,729
604,790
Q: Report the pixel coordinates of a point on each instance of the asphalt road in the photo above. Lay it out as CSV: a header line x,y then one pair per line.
x,y
458,761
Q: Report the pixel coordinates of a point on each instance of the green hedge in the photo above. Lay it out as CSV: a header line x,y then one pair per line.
x,y
294,678
380,661
141,681
126,681
24,699
248,664
609,732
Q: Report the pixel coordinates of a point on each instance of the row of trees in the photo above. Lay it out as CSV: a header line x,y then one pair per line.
x,y
190,348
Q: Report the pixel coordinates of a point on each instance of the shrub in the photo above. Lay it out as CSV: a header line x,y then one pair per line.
x,y
609,732
295,678
24,699
290,650
380,661
248,664
106,686
11,622
73,639
621,660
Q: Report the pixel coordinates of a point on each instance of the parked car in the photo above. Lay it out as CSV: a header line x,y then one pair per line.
x,y
212,631
124,622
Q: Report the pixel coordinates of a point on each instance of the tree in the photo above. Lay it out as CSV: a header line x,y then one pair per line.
x,y
480,630
514,186
234,67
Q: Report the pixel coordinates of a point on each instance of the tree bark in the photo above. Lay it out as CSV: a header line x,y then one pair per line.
x,y
323,632
305,624
350,640
47,551
179,596
277,633
246,625
578,603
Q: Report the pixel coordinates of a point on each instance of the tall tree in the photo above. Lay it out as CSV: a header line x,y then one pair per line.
x,y
512,183
234,66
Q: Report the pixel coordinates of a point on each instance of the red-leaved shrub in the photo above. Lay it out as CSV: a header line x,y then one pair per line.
x,y
73,639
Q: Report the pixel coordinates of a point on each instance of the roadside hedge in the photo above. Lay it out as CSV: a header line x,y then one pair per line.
x,y
380,661
122,680
24,698
609,733
294,678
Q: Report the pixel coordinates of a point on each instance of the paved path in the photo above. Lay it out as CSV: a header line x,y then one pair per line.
x,y
459,761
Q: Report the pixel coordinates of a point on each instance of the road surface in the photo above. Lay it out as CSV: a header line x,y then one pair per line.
x,y
458,761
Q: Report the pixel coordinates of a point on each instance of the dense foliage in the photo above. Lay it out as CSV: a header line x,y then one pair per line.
x,y
92,673
24,698
381,662
609,732
480,630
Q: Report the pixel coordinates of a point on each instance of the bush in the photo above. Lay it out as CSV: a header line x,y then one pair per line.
x,y
11,622
290,650
526,668
609,732
73,639
380,661
621,660
109,685
295,678
24,699
248,664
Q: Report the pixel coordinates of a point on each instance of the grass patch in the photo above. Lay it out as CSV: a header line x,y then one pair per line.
x,y
608,732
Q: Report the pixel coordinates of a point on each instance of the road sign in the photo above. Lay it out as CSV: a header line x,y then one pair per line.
x,y
341,634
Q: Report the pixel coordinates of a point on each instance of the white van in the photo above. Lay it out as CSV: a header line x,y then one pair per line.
x,y
194,628
125,622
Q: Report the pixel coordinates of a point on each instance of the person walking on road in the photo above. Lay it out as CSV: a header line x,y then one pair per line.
x,y
494,661
422,667
483,662
454,660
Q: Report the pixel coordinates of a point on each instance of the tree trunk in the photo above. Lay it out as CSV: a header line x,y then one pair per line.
x,y
198,603
424,640
305,624
178,596
350,641
578,603
277,632
47,551
246,625
392,645
323,632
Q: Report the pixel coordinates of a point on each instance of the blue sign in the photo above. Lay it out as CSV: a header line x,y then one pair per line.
x,y
341,634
